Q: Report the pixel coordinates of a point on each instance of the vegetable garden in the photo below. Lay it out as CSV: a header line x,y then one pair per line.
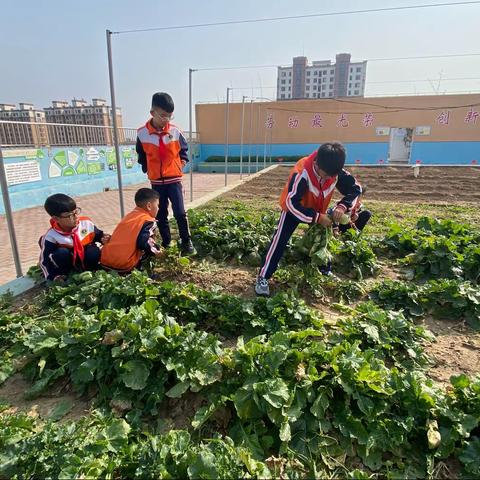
x,y
181,372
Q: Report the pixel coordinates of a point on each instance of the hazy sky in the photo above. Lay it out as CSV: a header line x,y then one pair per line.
x,y
56,49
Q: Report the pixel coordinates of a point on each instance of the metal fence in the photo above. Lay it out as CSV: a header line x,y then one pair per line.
x,y
44,134
17,135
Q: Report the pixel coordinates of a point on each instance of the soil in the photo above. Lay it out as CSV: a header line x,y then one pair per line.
x,y
433,185
456,350
12,393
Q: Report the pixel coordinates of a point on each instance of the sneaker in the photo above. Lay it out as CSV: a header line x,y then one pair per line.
x,y
187,248
261,287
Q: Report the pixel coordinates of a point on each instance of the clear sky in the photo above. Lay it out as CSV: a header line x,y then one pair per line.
x,y
56,49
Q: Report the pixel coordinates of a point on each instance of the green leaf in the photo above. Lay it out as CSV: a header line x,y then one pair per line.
x,y
320,404
135,374
60,409
460,381
470,457
285,433
277,392
178,390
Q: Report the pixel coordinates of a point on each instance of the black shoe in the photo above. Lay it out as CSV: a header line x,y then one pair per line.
x,y
187,248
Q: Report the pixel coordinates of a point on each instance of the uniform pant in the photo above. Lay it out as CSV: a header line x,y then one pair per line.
x,y
171,192
63,259
285,228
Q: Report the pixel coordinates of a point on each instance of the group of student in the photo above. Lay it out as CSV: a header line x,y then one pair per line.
x,y
74,243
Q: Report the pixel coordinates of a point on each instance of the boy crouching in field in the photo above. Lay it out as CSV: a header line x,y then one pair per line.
x,y
133,239
305,198
70,243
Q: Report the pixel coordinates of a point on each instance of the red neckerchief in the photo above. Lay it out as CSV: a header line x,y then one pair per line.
x,y
78,250
161,133
308,165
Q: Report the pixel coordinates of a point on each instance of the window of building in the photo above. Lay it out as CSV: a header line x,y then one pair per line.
x,y
358,77
357,85
359,69
308,73
308,80
350,78
330,94
282,89
315,72
308,87
284,74
332,71
282,95
357,92
323,94
284,82
324,80
289,74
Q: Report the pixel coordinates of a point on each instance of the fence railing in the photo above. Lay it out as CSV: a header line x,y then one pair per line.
x,y
45,134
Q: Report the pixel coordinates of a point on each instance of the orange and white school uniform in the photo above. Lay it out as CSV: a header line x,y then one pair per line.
x,y
61,251
132,240
162,155
304,198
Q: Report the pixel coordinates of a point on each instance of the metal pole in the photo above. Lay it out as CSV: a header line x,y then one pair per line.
x,y
270,150
227,108
9,216
190,157
265,146
251,138
115,126
241,137
257,139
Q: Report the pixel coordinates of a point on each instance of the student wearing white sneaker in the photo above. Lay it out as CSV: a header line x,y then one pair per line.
x,y
305,199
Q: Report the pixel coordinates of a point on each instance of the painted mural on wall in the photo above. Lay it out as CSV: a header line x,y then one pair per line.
x,y
91,160
26,165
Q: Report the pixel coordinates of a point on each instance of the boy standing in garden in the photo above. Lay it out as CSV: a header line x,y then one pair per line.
x,y
305,199
162,153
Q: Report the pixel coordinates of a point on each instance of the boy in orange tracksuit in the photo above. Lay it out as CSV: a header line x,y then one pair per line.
x,y
133,238
70,243
162,153
305,199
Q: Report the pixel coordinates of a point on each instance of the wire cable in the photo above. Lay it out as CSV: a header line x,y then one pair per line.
x,y
297,17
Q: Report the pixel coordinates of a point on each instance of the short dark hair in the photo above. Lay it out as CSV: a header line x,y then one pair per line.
x,y
59,203
331,158
145,195
164,101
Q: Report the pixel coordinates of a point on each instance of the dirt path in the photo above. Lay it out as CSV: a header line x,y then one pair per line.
x,y
434,184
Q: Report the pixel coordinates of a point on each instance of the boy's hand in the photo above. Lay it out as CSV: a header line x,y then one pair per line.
x,y
60,278
105,239
337,214
184,163
324,220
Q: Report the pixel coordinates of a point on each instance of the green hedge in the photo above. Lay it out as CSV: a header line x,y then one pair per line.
x,y
278,159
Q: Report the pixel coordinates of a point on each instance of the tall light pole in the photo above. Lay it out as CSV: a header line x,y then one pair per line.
x,y
190,137
241,137
115,125
227,112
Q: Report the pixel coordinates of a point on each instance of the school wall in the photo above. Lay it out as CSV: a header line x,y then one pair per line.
x,y
35,173
446,127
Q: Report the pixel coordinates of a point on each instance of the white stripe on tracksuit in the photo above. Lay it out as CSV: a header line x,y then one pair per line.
x,y
301,216
273,245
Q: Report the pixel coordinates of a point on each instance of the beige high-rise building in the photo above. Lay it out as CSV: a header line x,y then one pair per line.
x,y
33,133
86,124
322,79
97,114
